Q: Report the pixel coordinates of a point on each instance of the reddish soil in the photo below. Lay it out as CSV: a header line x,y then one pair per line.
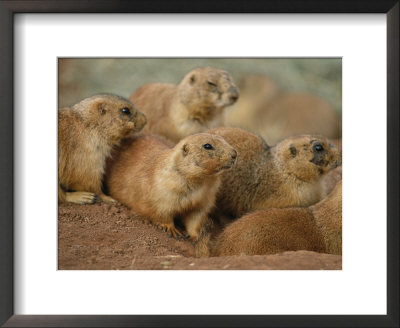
x,y
109,236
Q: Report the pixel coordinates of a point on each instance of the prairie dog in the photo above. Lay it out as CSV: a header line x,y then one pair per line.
x,y
194,105
165,184
296,113
87,133
285,175
317,228
265,108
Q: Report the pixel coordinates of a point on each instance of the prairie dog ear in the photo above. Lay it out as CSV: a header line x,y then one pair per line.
x,y
192,79
101,107
185,149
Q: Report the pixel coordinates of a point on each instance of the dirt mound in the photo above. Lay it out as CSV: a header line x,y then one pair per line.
x,y
109,236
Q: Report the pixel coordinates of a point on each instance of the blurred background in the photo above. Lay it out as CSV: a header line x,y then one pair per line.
x,y
278,97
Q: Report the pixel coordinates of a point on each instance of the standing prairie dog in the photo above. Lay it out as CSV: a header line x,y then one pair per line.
x,y
193,106
285,175
165,184
87,133
317,228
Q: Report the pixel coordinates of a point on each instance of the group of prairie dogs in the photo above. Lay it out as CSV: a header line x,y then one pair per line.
x,y
187,171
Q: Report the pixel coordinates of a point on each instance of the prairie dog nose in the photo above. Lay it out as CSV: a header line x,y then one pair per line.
x,y
234,93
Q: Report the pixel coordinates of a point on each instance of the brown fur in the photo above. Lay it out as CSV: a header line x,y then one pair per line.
x,y
193,106
165,184
87,132
288,174
266,109
317,228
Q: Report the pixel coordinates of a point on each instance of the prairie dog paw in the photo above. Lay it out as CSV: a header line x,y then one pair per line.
x,y
81,197
171,230
107,199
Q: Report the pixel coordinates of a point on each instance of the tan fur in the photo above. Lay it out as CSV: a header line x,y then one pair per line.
x,y
337,142
193,106
317,228
330,180
164,183
256,92
87,133
298,113
266,109
288,174
328,218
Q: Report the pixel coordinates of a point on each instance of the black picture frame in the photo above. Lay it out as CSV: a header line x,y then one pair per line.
x,y
7,11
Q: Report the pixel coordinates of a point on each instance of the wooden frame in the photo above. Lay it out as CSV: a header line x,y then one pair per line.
x,y
7,11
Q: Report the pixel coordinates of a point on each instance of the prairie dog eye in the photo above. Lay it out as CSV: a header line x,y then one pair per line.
x,y
318,147
212,84
208,146
126,111
293,151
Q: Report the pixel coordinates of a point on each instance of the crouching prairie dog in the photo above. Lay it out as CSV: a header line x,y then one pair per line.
x,y
87,133
275,114
298,113
285,175
316,228
165,184
256,93
193,106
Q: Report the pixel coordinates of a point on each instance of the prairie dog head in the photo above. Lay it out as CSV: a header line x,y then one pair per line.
x,y
307,157
204,154
115,116
208,87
